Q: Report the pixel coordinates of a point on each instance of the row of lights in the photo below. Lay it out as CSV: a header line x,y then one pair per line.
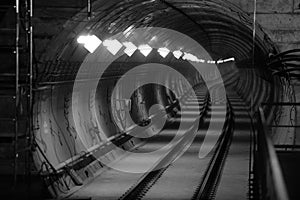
x,y
92,42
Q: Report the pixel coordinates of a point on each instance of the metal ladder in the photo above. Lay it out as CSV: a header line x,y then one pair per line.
x,y
16,96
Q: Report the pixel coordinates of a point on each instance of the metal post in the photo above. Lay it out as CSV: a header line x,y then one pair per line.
x,y
89,9
254,32
31,63
29,10
16,91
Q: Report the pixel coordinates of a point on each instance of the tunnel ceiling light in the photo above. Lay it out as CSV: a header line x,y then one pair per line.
x,y
190,57
185,56
145,49
177,54
130,48
90,42
113,46
163,51
201,60
229,59
211,62
220,61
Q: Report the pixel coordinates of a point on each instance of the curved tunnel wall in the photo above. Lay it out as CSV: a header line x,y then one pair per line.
x,y
221,28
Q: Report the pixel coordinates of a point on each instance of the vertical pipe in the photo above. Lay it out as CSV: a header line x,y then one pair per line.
x,y
89,9
30,95
30,60
253,48
254,30
16,92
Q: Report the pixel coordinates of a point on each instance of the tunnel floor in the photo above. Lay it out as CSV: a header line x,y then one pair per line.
x,y
182,177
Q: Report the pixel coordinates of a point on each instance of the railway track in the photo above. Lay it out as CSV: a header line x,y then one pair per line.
x,y
151,184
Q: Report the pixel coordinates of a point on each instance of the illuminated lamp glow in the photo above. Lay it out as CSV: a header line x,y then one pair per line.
x,y
211,62
201,60
113,46
163,52
190,57
145,49
229,59
90,42
177,54
130,48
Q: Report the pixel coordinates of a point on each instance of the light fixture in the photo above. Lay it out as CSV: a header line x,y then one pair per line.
x,y
177,54
130,48
190,57
201,60
90,42
113,46
229,59
163,51
145,49
211,62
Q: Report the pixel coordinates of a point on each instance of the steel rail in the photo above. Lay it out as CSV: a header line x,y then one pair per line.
x,y
209,182
145,182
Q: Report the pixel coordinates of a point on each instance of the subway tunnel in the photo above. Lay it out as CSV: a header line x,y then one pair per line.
x,y
147,99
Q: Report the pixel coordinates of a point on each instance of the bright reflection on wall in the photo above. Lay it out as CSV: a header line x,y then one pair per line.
x,y
145,49
91,42
130,48
163,52
128,31
113,46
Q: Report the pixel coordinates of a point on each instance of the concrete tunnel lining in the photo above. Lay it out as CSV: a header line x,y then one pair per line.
x,y
222,29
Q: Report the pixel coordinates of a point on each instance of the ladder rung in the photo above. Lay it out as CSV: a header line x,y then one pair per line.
x,y
281,104
6,5
7,119
7,30
11,135
24,149
10,49
13,47
7,95
8,74
286,146
12,119
9,139
285,126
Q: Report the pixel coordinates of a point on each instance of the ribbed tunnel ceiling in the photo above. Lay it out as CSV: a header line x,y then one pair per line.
x,y
219,26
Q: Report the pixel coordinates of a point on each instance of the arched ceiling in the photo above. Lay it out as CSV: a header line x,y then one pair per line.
x,y
219,26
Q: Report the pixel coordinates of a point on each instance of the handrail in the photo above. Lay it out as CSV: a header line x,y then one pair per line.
x,y
271,184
